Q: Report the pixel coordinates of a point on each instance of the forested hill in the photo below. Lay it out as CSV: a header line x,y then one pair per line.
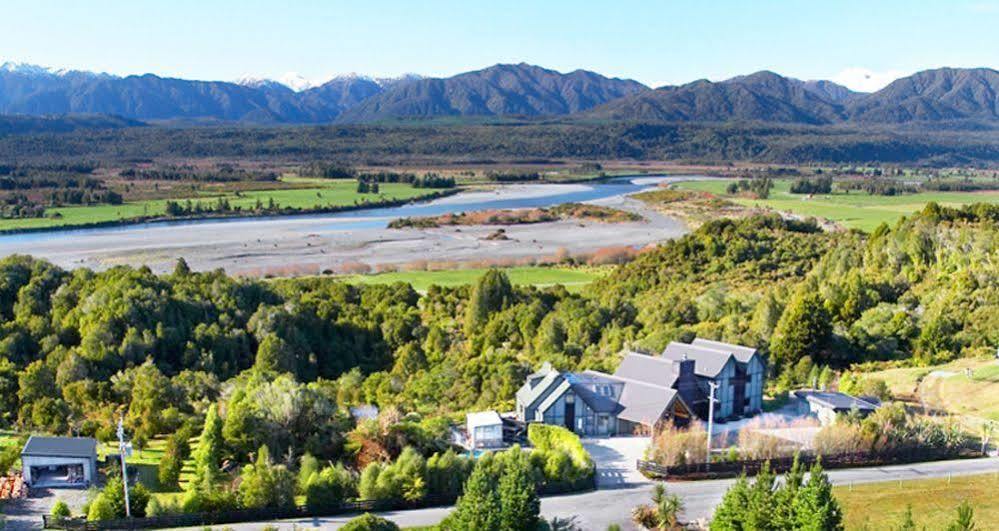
x,y
24,125
76,347
946,95
436,143
942,95
500,90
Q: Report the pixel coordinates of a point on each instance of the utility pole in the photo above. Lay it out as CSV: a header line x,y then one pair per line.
x,y
711,422
122,448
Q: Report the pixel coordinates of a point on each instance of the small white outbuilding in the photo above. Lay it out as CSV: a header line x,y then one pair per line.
x,y
59,461
485,429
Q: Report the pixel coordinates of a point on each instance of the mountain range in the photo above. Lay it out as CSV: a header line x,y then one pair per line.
x,y
503,90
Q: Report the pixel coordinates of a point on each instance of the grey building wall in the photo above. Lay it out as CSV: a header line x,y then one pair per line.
x,y
587,422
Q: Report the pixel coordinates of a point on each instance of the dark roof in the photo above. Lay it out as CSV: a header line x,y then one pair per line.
x,y
708,362
60,446
742,354
645,368
640,401
837,401
585,386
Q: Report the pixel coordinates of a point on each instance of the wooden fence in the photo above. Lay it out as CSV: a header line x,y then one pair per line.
x,y
781,464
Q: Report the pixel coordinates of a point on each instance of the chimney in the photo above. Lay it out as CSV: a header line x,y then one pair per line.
x,y
684,367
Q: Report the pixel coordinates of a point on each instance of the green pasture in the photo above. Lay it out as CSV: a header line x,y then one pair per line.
x,y
325,193
571,278
857,210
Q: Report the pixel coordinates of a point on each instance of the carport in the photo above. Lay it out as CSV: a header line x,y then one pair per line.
x,y
59,461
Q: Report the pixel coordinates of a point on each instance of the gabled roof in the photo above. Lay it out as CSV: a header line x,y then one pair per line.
x,y
742,354
640,401
483,418
528,394
645,403
60,446
645,368
708,362
583,385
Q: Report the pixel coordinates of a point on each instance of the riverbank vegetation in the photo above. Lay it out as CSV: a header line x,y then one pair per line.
x,y
575,211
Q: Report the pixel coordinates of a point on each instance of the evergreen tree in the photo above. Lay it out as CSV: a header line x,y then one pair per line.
x,y
965,520
181,269
802,329
208,456
783,499
264,484
815,508
274,354
479,506
760,503
307,466
491,293
908,524
519,503
238,427
170,465
149,399
730,515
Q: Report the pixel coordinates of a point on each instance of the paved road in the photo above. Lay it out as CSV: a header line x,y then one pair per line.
x,y
596,510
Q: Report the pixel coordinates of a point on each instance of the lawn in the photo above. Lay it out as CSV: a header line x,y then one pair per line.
x,y
328,193
147,461
881,505
857,210
571,278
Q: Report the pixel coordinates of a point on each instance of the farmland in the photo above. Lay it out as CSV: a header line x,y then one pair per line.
x,y
855,210
881,505
572,278
319,194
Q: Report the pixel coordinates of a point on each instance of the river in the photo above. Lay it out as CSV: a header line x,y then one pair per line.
x,y
325,241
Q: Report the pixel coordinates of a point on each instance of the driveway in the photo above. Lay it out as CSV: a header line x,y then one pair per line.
x,y
26,513
615,459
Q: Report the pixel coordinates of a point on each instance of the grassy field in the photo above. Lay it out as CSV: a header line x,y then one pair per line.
x,y
934,502
323,193
948,387
853,210
147,460
574,278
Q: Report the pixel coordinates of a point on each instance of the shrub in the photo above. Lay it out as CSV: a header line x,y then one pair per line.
x,y
674,446
369,522
60,510
329,487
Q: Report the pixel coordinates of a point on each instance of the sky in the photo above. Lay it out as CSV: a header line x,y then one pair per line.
x,y
863,44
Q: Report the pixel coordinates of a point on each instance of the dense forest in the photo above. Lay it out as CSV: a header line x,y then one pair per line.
x,y
532,141
77,347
